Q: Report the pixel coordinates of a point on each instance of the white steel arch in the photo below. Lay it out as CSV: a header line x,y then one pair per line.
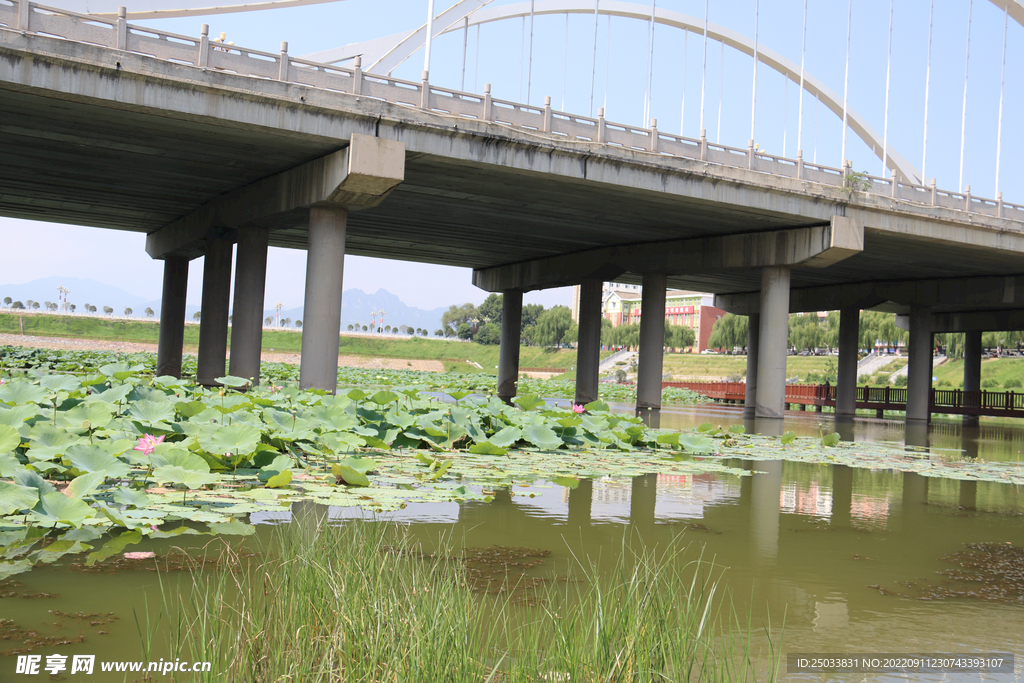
x,y
375,60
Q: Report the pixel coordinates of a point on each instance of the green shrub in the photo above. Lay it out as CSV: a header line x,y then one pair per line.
x,y
1012,383
901,381
989,384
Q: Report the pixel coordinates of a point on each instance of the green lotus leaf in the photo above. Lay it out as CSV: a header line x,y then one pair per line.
x,y
29,478
16,416
707,427
9,465
597,406
15,498
21,393
8,569
357,394
424,458
114,546
232,381
236,439
151,412
341,441
696,443
234,528
568,482
85,484
442,469
382,398
126,496
190,409
116,394
172,474
528,401
506,437
672,439
47,442
85,416
830,439
279,481
56,508
280,464
487,448
57,383
9,438
542,437
362,465
788,437
458,395
57,550
344,473
89,458
737,429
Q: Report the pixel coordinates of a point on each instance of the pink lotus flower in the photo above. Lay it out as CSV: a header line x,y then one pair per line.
x,y
578,408
148,442
139,556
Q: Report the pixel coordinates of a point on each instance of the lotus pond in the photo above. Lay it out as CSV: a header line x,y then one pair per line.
x,y
838,539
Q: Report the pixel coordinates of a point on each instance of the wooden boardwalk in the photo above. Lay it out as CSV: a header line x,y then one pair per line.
x,y
879,399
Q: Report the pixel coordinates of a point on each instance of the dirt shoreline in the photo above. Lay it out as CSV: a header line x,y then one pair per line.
x,y
57,343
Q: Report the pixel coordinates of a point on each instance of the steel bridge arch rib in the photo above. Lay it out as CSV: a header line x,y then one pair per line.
x,y
384,63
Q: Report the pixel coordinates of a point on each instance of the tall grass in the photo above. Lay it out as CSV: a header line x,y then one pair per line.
x,y
362,603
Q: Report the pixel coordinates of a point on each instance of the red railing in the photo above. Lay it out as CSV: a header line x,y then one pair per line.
x,y
952,401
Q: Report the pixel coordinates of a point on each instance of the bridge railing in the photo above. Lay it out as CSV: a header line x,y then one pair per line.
x,y
30,17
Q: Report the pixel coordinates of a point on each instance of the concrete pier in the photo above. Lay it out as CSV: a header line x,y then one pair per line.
x,y
172,316
773,343
213,326
247,312
972,369
325,270
511,336
652,349
588,352
919,370
750,391
846,382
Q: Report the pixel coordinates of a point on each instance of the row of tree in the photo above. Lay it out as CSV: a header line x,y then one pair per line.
x,y
808,331
388,329
551,327
30,305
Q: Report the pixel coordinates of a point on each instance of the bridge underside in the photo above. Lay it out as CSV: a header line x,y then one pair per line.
x,y
102,164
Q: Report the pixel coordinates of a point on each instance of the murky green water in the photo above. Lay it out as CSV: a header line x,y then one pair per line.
x,y
843,556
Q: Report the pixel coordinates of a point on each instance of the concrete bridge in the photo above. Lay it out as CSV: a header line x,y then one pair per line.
x,y
202,145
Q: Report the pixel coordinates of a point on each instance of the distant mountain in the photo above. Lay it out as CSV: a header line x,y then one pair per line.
x,y
356,305
357,308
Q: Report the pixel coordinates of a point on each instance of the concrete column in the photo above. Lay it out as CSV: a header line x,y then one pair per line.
x,y
321,322
511,337
750,396
919,370
773,342
764,511
642,501
247,313
652,348
972,370
581,499
172,316
588,350
846,382
213,326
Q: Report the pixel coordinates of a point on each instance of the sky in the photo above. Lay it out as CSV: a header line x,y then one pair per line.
x,y
563,66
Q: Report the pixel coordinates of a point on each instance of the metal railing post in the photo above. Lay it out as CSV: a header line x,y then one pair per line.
x,y
357,76
547,114
999,204
204,46
895,182
703,144
967,198
282,71
425,91
799,164
601,130
750,155
122,28
934,195
654,136
488,103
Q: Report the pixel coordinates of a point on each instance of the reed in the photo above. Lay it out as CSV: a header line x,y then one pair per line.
x,y
362,602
